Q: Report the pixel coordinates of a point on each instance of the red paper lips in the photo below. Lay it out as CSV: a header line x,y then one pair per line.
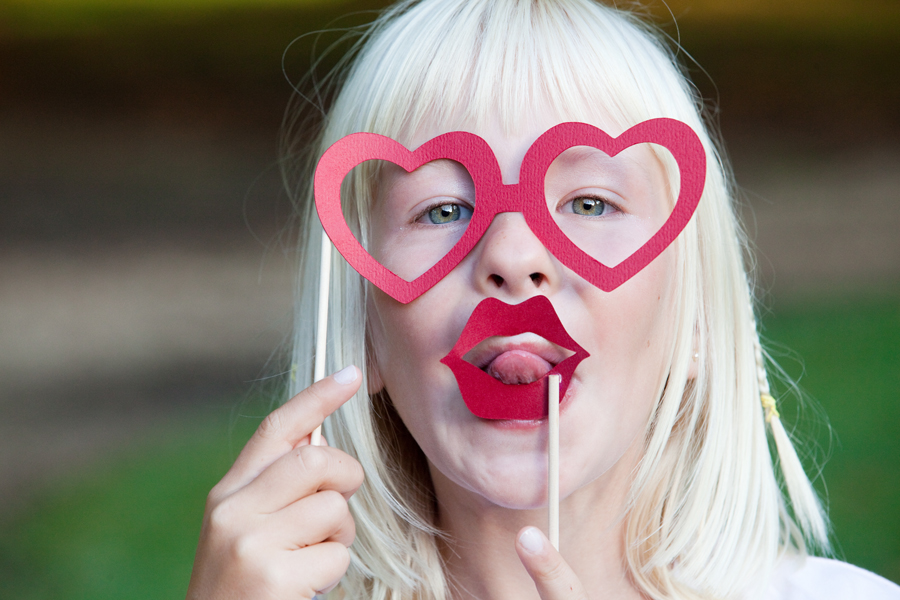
x,y
494,197
486,396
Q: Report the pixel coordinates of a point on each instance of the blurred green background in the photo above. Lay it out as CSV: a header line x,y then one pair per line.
x,y
145,263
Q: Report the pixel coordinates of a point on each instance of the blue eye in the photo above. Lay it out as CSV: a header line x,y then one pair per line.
x,y
590,207
448,213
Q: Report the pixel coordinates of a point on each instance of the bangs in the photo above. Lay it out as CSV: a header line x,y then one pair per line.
x,y
476,63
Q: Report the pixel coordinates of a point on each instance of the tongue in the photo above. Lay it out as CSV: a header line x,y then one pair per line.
x,y
518,367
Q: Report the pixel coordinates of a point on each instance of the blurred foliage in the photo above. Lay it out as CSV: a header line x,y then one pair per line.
x,y
833,17
233,63
60,18
127,527
827,70
859,19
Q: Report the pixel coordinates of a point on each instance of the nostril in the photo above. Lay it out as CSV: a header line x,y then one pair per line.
x,y
537,279
498,281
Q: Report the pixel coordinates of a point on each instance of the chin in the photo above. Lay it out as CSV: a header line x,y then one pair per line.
x,y
522,498
520,488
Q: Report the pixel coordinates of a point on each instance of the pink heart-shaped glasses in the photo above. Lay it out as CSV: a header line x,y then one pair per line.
x,y
494,197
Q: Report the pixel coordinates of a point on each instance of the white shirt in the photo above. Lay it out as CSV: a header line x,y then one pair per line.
x,y
815,578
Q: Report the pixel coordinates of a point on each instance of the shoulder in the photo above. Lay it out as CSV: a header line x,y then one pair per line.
x,y
814,578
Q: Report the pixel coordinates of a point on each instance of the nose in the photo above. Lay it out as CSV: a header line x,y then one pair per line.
x,y
513,261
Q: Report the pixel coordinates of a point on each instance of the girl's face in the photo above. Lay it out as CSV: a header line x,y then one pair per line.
x,y
627,332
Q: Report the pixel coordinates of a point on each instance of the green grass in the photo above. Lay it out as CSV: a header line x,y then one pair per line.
x,y
850,366
127,526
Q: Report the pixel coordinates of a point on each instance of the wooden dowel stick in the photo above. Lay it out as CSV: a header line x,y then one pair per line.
x,y
322,324
553,459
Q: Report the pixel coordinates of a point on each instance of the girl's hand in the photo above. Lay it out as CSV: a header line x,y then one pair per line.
x,y
553,578
278,525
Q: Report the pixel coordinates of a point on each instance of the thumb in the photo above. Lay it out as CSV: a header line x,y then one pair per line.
x,y
552,576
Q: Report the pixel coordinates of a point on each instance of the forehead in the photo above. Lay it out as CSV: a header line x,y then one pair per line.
x,y
510,144
501,124
510,138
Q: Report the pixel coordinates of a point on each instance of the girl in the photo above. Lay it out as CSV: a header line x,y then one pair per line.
x,y
668,485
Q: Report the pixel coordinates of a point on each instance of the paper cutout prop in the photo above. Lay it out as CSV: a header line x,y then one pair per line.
x,y
489,398
493,197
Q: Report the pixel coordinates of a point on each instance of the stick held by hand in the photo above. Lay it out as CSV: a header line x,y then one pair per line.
x,y
315,438
553,459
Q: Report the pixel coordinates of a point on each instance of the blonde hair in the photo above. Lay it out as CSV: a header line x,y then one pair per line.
x,y
707,517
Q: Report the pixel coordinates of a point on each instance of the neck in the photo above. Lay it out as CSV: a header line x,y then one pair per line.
x,y
481,559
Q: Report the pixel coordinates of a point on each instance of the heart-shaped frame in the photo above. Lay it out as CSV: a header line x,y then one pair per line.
x,y
494,197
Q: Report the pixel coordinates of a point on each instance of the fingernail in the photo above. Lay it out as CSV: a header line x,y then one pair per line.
x,y
532,540
345,375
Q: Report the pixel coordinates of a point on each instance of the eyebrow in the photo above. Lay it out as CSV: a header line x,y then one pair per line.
x,y
461,185
593,158
578,154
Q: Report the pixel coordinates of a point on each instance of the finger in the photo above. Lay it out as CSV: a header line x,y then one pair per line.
x,y
301,472
322,517
286,426
305,441
552,576
317,568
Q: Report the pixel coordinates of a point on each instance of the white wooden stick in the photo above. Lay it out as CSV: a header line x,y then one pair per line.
x,y
322,324
553,459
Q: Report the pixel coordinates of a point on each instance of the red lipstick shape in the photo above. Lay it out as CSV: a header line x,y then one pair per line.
x,y
490,398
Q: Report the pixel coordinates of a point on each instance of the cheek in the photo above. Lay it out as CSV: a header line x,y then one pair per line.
x,y
632,325
402,335
651,315
629,337
394,343
407,343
